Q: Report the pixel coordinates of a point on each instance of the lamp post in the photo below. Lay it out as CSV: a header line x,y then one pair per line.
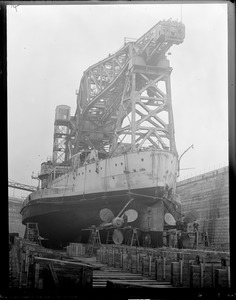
x,y
181,157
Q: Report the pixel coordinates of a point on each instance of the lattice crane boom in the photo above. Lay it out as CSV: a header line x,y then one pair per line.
x,y
156,42
125,99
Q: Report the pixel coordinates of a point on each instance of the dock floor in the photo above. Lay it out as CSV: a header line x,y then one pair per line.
x,y
106,276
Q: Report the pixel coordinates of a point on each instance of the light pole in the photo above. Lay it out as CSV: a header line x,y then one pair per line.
x,y
181,157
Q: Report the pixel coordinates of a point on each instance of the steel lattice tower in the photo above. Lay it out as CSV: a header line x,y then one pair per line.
x,y
62,133
125,99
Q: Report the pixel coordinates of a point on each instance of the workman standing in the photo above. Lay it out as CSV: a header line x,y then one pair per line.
x,y
125,219
181,226
195,225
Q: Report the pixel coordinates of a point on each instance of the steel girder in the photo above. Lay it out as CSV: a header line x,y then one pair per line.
x,y
121,96
20,186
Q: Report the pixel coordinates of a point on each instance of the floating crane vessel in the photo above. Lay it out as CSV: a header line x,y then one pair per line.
x,y
118,150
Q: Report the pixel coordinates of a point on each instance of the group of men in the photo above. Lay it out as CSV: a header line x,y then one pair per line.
x,y
182,228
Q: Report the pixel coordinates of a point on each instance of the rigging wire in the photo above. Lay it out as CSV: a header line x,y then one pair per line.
x,y
181,13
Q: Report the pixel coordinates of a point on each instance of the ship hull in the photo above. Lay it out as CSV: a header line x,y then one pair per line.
x,y
65,220
65,215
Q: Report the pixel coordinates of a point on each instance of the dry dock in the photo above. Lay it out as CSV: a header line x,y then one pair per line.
x,y
35,269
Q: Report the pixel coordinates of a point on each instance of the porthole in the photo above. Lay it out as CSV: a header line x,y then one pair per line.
x,y
89,171
142,159
116,165
100,168
121,164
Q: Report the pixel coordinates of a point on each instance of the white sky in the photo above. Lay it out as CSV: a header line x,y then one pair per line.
x,y
49,47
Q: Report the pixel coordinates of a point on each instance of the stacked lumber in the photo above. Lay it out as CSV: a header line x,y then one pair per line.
x,y
75,250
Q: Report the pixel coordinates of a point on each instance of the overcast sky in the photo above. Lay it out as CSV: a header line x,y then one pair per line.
x,y
49,48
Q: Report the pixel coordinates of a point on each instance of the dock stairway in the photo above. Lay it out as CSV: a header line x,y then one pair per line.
x,y
111,277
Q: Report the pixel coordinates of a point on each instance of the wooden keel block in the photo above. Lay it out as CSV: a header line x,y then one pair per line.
x,y
207,276
153,268
186,274
221,278
133,263
167,270
138,262
195,276
175,274
159,269
145,266
149,265
125,261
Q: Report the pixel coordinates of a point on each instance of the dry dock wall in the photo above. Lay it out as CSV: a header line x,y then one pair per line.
x,y
209,195
15,225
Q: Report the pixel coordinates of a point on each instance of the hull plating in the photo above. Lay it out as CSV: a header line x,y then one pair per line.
x,y
63,211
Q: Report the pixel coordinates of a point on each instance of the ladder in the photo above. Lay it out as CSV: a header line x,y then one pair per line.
x,y
32,233
109,236
94,240
134,238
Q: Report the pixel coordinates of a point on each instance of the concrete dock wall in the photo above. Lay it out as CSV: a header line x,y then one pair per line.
x,y
209,195
15,225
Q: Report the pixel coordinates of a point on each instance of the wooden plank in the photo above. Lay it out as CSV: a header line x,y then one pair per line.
x,y
36,278
116,277
54,276
60,262
229,278
124,284
201,274
87,277
221,278
151,282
